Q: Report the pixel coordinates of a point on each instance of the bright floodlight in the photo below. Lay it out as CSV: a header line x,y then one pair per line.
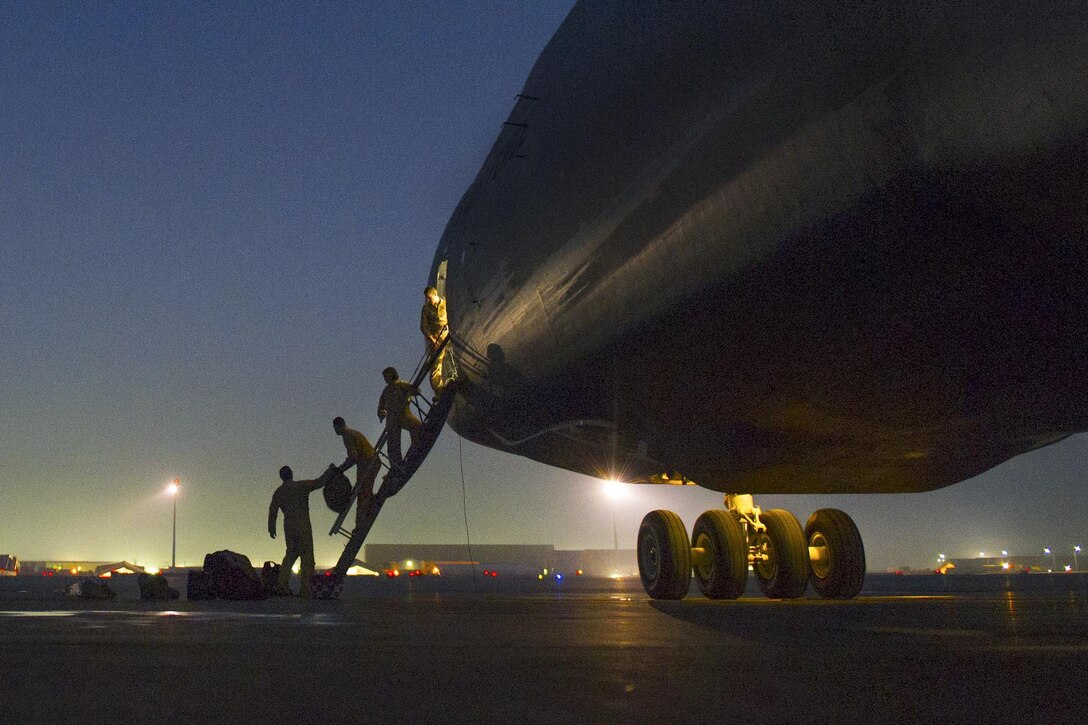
x,y
615,490
1004,553
1046,550
1076,549
172,489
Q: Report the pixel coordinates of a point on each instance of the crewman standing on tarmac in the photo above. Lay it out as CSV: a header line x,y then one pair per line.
x,y
433,325
293,498
393,408
361,455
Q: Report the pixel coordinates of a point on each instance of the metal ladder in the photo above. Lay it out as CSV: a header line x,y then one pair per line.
x,y
432,417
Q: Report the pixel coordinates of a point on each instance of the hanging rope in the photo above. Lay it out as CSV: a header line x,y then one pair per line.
x,y
464,509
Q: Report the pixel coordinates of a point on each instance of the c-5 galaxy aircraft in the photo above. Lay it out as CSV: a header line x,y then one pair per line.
x,y
788,247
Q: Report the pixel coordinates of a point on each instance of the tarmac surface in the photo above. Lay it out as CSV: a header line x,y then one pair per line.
x,y
972,649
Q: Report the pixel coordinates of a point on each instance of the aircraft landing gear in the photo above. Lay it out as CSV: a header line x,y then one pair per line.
x,y
720,555
836,553
723,544
664,555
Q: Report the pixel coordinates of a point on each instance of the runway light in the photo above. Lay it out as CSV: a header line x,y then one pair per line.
x,y
540,576
1004,553
1005,565
981,554
1068,567
408,564
559,577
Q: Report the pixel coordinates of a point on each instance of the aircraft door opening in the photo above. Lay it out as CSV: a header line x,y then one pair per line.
x,y
440,279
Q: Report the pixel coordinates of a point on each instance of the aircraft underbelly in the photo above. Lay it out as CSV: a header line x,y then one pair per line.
x,y
861,278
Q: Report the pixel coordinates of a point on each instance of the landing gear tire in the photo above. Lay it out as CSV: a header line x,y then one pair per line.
x,y
664,555
784,573
721,568
836,553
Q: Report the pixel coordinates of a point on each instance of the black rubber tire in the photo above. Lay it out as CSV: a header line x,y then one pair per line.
x,y
786,574
664,555
724,573
841,573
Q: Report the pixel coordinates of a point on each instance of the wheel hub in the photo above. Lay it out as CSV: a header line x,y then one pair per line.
x,y
766,566
651,556
704,563
819,554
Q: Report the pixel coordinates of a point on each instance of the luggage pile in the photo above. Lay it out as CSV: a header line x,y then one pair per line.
x,y
155,587
226,575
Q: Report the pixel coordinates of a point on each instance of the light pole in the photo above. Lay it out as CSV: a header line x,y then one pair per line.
x,y
615,537
1053,558
1076,550
615,490
173,489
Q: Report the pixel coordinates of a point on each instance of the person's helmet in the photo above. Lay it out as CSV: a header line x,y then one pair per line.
x,y
338,423
286,474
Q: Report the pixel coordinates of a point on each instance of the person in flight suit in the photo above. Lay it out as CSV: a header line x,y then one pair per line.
x,y
361,455
433,325
293,498
393,408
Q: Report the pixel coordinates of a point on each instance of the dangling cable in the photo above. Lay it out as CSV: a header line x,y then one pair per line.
x,y
464,508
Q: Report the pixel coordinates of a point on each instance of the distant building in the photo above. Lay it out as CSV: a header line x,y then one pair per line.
x,y
505,558
997,565
86,568
61,567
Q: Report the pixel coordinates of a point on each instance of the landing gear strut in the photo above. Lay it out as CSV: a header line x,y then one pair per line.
x,y
725,544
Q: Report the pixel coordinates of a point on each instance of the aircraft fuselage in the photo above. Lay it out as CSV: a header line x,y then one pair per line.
x,y
781,247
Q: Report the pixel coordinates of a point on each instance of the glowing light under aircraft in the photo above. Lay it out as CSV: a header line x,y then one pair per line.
x,y
614,489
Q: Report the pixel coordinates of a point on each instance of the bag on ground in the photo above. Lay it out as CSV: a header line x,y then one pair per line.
x,y
270,576
155,587
199,586
232,576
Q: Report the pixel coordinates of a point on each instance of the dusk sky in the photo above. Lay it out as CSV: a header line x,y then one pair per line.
x,y
216,221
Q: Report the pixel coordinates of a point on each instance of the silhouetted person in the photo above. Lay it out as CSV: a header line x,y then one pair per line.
x,y
293,498
394,409
361,455
432,323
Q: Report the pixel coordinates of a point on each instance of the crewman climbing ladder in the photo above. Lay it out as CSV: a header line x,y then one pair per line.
x,y
431,420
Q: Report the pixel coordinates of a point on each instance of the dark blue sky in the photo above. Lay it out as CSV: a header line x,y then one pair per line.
x,y
215,221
